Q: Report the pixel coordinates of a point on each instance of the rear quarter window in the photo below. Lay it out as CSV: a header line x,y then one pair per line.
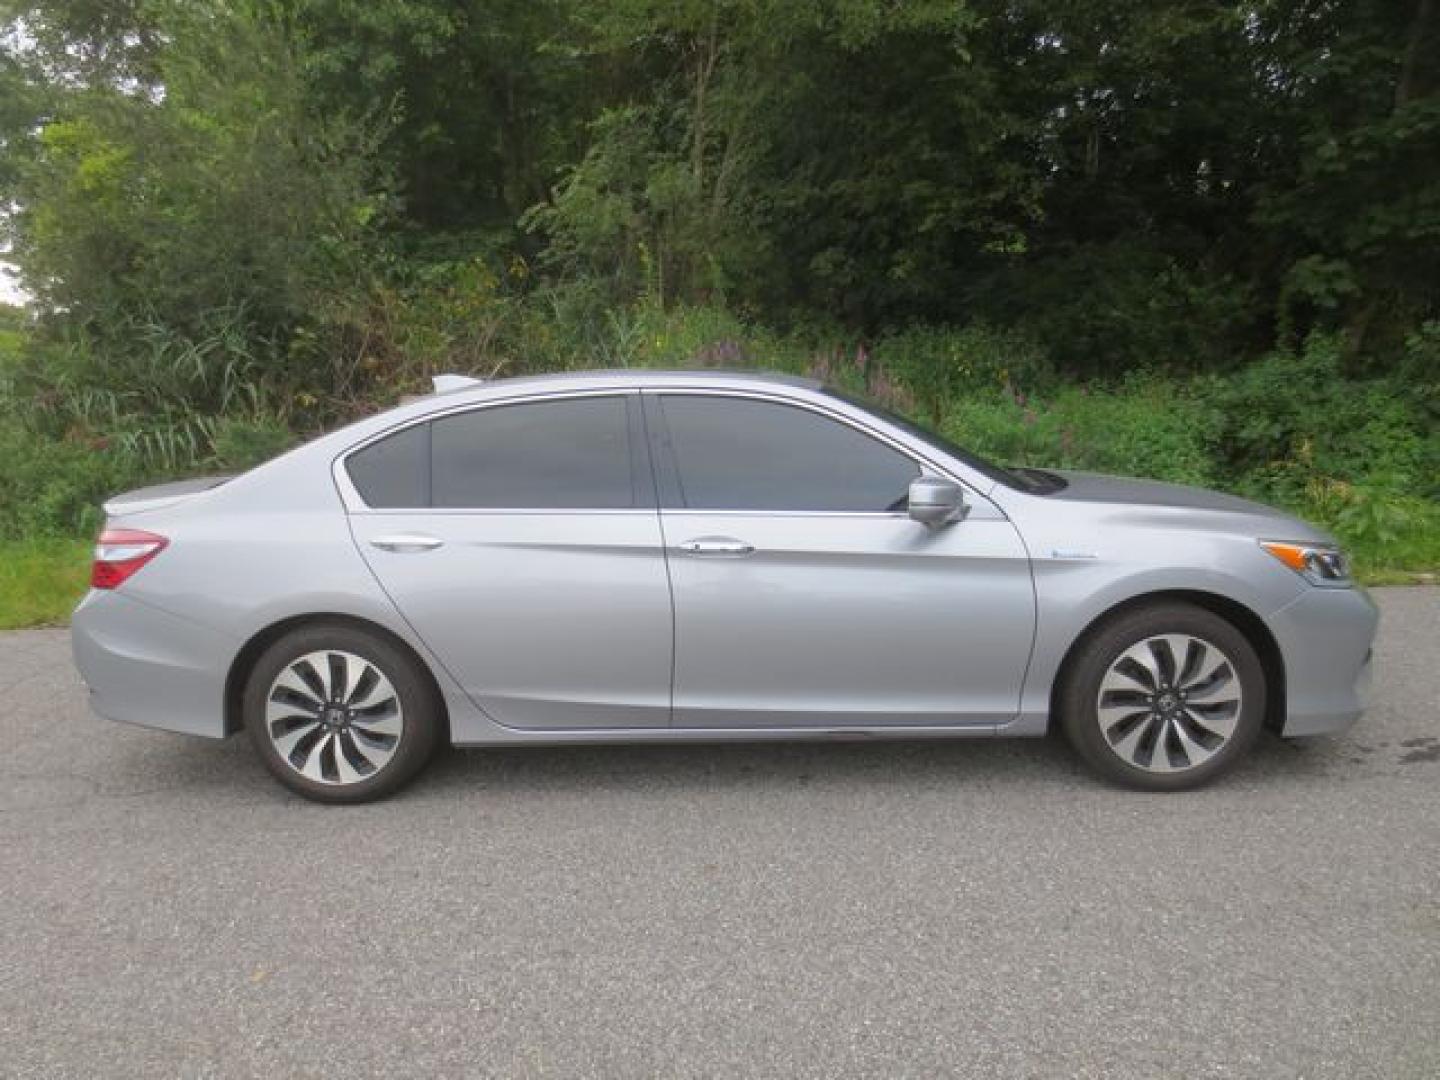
x,y
394,473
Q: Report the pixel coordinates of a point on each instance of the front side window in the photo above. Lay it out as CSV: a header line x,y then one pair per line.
x,y
572,453
746,454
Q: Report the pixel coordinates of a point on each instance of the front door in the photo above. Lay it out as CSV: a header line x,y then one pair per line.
x,y
522,544
804,594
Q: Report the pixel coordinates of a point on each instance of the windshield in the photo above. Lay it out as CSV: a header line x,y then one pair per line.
x,y
1029,480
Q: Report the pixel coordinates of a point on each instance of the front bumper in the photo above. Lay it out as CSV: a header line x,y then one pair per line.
x,y
1325,638
147,666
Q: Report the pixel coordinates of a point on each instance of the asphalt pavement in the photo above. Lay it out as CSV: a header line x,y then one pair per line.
x,y
967,908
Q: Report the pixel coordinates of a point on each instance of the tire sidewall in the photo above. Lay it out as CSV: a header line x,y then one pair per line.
x,y
419,710
1104,645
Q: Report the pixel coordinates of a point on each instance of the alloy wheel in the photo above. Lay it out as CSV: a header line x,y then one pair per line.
x,y
1169,703
334,717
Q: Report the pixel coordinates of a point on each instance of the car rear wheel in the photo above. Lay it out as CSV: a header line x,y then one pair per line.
x,y
1164,697
341,715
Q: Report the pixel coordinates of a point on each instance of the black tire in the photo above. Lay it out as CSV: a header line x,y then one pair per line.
x,y
1078,697
420,713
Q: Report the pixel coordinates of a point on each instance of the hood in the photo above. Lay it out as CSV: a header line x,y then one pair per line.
x,y
1096,487
158,496
1160,501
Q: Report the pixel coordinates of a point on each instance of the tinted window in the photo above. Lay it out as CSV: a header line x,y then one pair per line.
x,y
571,454
394,473
1008,477
738,454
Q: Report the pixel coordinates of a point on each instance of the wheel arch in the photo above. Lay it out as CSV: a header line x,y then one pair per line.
x,y
1243,618
254,648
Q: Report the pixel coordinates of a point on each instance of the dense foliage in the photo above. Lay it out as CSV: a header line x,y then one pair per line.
x,y
1198,241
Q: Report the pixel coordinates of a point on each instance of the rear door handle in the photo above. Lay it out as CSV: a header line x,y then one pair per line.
x,y
403,543
722,546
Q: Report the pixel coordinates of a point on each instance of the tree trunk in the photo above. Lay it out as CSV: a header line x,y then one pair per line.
x,y
707,50
1405,88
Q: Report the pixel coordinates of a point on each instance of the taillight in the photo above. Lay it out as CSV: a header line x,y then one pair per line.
x,y
120,552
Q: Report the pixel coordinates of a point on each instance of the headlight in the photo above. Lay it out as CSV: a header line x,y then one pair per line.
x,y
1318,564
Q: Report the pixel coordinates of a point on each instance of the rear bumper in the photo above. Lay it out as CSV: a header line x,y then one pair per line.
x,y
1325,637
146,666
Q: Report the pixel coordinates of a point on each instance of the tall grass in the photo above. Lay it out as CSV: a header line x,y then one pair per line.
x,y
41,580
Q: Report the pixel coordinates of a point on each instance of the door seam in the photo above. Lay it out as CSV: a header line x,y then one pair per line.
x,y
664,550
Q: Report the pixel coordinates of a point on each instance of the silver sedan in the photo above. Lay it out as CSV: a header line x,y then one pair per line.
x,y
649,557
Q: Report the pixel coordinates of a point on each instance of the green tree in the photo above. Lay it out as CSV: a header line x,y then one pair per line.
x,y
1354,214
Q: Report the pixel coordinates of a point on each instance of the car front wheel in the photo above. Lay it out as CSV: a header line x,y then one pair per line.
x,y
1164,697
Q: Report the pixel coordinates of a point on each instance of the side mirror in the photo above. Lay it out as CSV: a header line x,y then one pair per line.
x,y
935,501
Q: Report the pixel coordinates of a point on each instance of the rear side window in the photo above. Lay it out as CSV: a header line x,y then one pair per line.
x,y
570,454
744,454
394,473
552,455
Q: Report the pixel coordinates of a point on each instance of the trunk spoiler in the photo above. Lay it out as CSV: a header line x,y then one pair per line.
x,y
158,496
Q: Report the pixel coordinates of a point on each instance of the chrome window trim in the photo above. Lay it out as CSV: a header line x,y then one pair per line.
x,y
354,504
510,511
687,511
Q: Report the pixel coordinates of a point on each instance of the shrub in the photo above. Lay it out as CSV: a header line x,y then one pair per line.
x,y
937,365
1147,427
1293,416
54,487
1384,527
243,444
1110,308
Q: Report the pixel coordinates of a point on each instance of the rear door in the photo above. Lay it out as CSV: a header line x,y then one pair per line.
x,y
522,543
805,595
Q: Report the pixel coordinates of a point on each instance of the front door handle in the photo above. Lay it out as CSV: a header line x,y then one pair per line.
x,y
722,546
403,543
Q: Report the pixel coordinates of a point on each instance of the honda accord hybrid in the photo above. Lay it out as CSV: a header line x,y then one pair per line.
x,y
628,557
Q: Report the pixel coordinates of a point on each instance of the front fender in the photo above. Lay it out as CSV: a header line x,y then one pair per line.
x,y
1073,594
